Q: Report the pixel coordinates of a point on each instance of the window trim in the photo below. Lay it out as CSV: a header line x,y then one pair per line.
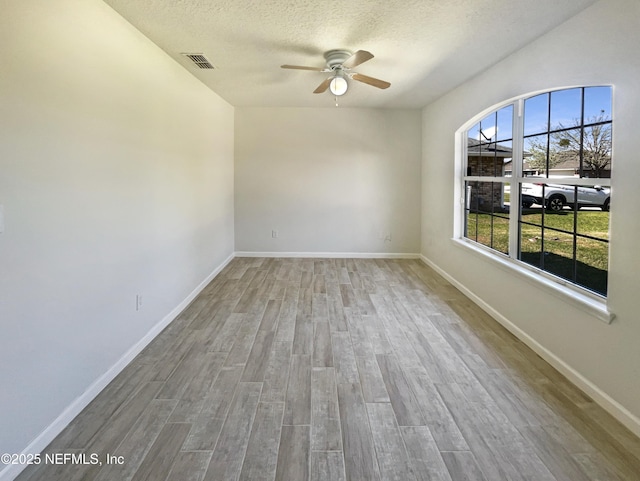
x,y
582,298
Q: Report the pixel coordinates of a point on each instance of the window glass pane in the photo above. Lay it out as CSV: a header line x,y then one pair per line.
x,y
503,155
506,152
485,197
474,132
474,151
471,226
531,244
532,195
505,123
592,221
561,221
491,161
500,240
471,197
505,195
558,197
597,102
536,114
566,108
528,203
533,216
564,153
488,128
487,159
594,197
597,151
558,254
485,226
471,210
534,156
592,259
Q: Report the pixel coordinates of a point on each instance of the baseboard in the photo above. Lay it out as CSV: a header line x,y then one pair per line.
x,y
10,472
329,255
609,404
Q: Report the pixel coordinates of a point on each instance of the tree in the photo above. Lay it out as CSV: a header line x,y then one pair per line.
x,y
595,142
565,146
537,155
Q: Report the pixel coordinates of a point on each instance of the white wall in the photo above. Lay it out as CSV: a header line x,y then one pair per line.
x,y
328,180
598,46
116,176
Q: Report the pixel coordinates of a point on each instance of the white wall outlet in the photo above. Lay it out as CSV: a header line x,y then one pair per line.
x,y
138,302
274,234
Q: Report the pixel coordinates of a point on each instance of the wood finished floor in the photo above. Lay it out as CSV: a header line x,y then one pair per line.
x,y
341,369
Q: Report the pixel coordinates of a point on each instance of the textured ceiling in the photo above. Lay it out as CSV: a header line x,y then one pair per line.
x,y
423,47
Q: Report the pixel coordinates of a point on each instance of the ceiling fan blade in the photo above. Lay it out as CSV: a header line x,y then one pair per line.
x,y
381,84
361,56
300,67
323,86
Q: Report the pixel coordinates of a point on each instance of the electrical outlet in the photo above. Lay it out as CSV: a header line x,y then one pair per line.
x,y
138,302
274,234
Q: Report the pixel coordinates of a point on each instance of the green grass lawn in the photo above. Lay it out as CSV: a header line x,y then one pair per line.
x,y
551,245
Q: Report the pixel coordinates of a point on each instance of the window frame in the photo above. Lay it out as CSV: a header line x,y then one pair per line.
x,y
582,297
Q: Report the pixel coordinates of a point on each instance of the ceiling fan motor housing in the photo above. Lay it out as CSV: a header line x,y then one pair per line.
x,y
336,58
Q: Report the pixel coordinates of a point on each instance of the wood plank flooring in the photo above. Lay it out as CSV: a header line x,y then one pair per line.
x,y
341,370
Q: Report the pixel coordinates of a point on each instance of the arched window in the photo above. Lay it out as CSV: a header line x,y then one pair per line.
x,y
536,184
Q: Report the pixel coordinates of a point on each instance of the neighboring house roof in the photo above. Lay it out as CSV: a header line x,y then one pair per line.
x,y
477,148
570,160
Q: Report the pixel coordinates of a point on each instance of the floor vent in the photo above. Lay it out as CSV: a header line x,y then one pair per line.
x,y
199,59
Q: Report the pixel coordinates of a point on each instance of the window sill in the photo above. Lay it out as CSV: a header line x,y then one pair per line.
x,y
591,304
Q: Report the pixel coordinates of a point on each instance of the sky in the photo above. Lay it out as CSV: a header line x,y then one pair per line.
x,y
565,108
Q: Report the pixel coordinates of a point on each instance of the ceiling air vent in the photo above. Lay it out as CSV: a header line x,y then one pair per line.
x,y
199,59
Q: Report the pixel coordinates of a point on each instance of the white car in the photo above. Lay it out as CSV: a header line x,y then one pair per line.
x,y
557,196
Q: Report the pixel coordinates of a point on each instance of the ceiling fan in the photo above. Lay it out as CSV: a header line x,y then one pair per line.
x,y
339,63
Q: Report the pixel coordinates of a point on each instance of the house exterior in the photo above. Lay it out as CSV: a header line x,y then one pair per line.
x,y
486,159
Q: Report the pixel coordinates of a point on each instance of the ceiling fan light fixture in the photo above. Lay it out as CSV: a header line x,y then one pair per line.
x,y
338,86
